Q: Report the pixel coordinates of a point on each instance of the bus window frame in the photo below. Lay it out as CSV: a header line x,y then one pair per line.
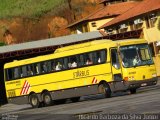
x,y
50,60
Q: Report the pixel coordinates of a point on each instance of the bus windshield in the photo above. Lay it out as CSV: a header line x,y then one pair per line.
x,y
135,55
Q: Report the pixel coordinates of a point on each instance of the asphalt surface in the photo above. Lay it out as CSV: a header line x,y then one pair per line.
x,y
146,101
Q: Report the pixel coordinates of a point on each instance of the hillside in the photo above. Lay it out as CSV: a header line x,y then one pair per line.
x,y
27,8
29,20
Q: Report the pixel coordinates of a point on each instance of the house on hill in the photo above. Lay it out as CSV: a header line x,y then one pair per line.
x,y
109,11
144,17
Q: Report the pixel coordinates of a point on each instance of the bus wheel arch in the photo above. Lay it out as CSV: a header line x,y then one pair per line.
x,y
34,100
103,87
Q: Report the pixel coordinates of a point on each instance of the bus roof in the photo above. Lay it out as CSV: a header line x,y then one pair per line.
x,y
130,41
76,46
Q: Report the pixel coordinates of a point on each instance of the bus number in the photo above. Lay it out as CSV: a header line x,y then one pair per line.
x,y
80,73
11,93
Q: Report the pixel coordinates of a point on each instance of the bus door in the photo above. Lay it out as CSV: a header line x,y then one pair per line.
x,y
116,70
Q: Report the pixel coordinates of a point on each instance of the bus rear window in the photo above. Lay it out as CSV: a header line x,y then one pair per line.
x,y
12,73
9,74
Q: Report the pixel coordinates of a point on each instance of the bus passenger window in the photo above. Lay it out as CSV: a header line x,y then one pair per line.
x,y
66,64
49,66
89,59
59,64
44,67
29,70
53,65
20,72
37,68
81,60
72,62
16,73
24,71
101,56
9,74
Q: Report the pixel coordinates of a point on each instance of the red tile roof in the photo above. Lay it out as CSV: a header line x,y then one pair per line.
x,y
142,8
113,9
107,11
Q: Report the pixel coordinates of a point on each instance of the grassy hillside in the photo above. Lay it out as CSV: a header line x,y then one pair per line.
x,y
27,8
29,20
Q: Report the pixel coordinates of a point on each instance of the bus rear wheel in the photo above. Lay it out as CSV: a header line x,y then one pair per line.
x,y
75,99
34,101
104,89
47,99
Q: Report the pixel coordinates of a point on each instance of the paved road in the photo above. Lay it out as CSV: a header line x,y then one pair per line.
x,y
147,100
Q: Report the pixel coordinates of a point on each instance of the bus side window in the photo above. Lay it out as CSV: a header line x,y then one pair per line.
x,y
53,65
95,58
29,70
89,59
44,67
24,71
16,73
72,62
81,60
66,63
59,64
9,74
101,56
49,66
37,68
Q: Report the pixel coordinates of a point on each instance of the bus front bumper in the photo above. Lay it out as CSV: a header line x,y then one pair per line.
x,y
142,83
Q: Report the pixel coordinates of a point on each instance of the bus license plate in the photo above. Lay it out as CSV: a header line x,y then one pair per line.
x,y
143,84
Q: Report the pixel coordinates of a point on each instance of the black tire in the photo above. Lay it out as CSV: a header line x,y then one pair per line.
x,y
34,101
47,99
133,91
104,89
75,99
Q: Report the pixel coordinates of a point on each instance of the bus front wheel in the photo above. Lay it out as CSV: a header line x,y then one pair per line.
x,y
47,99
34,101
105,89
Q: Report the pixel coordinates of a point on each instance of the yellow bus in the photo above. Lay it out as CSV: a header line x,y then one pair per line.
x,y
96,67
